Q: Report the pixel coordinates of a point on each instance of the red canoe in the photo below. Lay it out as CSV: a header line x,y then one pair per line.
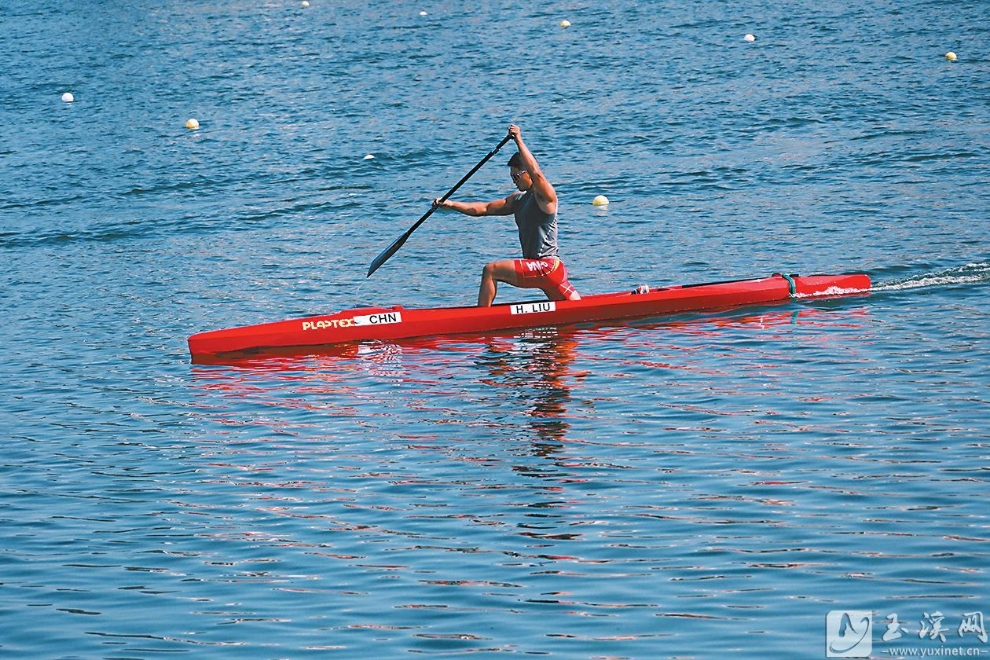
x,y
380,323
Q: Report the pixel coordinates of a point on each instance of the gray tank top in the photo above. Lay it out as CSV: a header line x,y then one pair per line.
x,y
537,230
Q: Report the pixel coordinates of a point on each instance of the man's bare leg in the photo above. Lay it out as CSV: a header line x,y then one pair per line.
x,y
491,275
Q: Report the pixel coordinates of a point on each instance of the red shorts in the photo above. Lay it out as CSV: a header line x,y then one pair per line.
x,y
548,274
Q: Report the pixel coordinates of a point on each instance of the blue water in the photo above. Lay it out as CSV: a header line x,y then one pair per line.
x,y
701,486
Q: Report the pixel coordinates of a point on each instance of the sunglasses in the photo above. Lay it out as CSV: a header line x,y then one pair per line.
x,y
517,175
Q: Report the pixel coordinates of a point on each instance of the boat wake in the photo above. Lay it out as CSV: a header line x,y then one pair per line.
x,y
975,273
832,292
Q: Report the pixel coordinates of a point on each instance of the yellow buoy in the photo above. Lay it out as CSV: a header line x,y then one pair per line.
x,y
305,3
601,200
192,124
565,23
951,56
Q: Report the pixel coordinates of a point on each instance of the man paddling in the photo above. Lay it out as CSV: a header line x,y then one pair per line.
x,y
535,208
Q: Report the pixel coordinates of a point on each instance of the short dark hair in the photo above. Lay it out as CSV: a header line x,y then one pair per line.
x,y
516,161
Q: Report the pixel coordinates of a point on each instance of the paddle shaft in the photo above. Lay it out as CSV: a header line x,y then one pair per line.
x,y
394,247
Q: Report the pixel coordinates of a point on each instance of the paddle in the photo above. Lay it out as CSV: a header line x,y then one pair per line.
x,y
394,247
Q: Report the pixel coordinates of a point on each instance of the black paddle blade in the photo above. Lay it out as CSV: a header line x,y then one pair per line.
x,y
387,253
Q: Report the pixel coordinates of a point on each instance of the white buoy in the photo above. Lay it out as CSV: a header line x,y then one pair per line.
x,y
68,97
600,200
192,124
750,38
565,23
422,13
305,3
370,157
951,56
